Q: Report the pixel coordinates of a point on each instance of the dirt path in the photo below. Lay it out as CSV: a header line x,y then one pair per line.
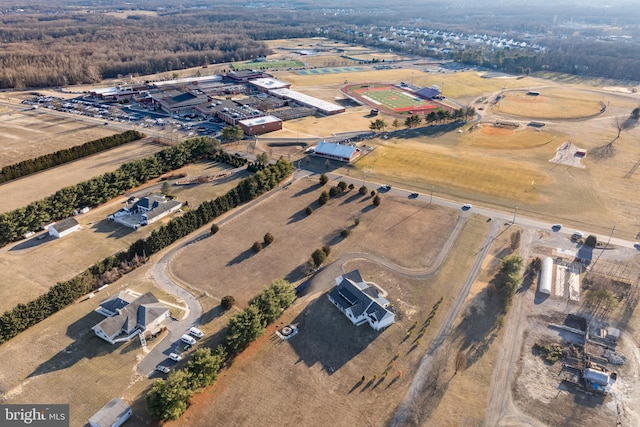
x,y
414,393
501,409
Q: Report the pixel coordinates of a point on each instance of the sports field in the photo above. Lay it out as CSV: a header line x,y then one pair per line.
x,y
257,65
391,97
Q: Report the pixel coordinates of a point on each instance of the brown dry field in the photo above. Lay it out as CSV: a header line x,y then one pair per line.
x,y
240,272
475,336
32,266
554,103
19,193
314,379
25,134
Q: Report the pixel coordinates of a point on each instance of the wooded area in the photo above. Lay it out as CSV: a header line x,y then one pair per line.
x,y
59,45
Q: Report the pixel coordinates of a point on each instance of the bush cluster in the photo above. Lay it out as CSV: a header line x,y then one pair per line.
x,y
167,400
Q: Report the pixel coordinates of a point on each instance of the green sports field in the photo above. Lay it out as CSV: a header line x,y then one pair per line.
x,y
266,64
393,98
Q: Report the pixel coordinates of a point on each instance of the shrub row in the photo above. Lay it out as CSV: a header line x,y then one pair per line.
x,y
167,400
14,224
23,316
28,167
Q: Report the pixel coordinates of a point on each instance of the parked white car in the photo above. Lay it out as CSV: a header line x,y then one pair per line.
x,y
196,332
175,357
188,339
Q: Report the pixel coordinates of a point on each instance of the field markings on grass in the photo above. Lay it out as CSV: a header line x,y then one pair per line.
x,y
403,414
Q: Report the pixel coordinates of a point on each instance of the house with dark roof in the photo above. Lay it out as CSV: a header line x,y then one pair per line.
x,y
361,302
110,306
142,314
145,211
62,228
113,414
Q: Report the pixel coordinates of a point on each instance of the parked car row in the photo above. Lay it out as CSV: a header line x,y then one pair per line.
x,y
188,340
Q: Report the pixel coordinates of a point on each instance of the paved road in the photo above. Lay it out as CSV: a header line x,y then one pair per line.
x,y
413,395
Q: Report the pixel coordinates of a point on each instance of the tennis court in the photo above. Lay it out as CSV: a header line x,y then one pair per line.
x,y
330,70
261,65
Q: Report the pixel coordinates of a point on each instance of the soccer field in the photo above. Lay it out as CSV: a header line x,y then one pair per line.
x,y
394,99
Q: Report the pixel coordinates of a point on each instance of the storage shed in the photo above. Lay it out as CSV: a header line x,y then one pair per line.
x,y
546,276
113,414
64,227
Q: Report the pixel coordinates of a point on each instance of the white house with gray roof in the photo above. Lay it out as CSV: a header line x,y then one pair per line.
x,y
361,302
145,211
131,318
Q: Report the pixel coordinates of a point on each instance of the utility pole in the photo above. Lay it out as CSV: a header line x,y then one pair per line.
x,y
431,198
515,211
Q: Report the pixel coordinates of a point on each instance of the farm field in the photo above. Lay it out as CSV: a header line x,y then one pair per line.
x,y
19,193
25,134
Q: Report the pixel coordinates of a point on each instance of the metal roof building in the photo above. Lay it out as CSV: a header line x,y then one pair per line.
x,y
327,108
546,276
113,414
330,150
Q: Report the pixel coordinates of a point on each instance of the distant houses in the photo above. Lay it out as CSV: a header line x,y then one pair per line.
x,y
145,211
361,302
127,317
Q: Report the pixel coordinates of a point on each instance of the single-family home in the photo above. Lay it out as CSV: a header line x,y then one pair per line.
x,y
113,414
62,228
145,211
361,301
143,313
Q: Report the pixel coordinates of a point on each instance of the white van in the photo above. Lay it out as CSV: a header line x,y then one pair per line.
x,y
188,339
196,332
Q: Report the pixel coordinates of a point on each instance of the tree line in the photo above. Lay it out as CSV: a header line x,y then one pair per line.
x,y
168,399
14,224
38,164
23,316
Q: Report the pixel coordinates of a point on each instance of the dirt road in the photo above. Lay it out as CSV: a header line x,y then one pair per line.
x,y
413,395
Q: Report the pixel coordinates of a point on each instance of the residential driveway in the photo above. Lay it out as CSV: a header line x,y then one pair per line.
x,y
175,327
